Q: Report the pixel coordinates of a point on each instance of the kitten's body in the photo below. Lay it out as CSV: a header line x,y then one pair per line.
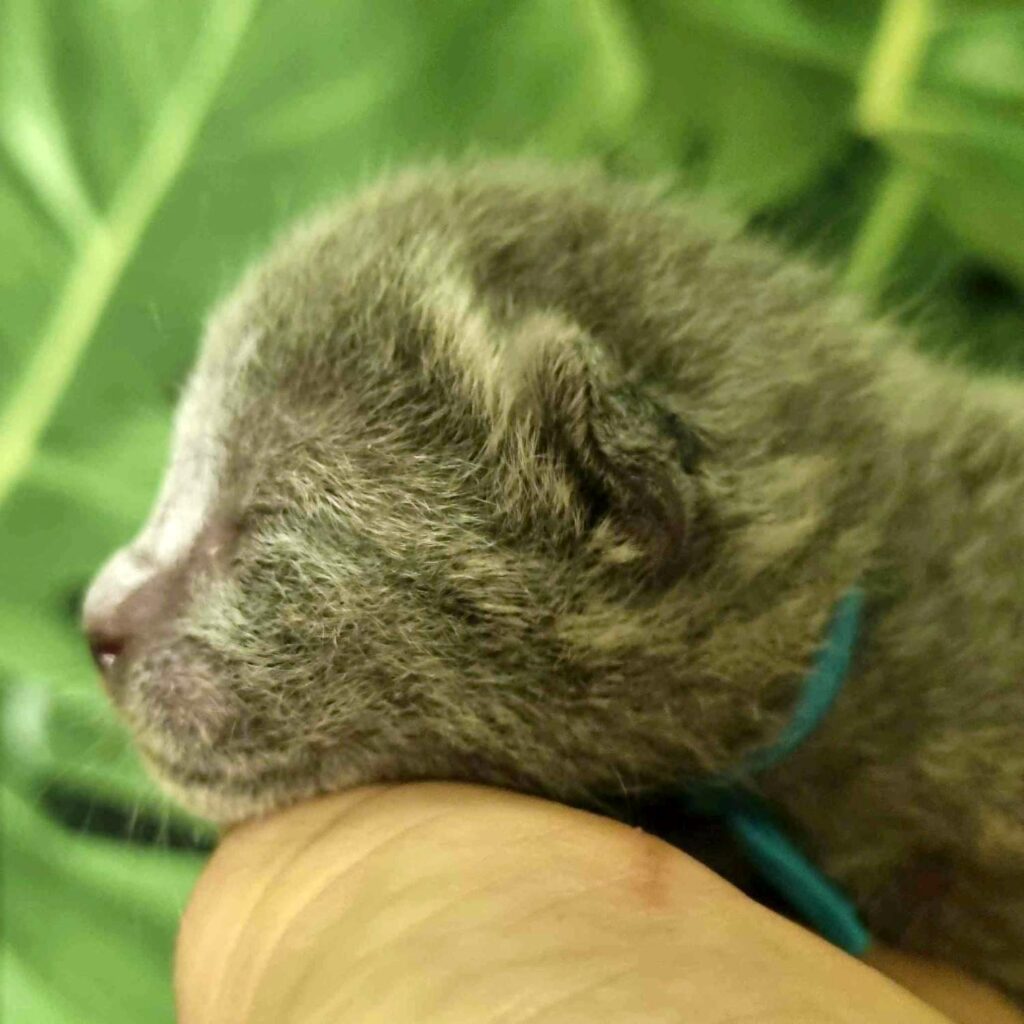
x,y
526,478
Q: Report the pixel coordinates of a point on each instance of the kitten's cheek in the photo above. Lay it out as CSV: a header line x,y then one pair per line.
x,y
179,708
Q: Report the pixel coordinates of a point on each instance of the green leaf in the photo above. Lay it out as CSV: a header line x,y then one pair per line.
x,y
981,52
104,243
748,124
73,741
832,35
291,111
88,924
958,121
26,997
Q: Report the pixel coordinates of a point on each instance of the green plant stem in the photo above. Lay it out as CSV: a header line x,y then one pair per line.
x,y
110,244
889,75
893,63
886,228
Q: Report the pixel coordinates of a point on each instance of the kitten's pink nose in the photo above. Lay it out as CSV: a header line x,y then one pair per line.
x,y
105,650
128,603
141,592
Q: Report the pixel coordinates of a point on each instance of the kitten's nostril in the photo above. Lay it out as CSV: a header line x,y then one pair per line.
x,y
133,604
105,652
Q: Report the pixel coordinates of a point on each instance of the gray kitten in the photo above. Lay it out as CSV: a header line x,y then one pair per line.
x,y
523,477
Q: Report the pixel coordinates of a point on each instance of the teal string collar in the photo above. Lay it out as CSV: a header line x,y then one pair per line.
x,y
776,857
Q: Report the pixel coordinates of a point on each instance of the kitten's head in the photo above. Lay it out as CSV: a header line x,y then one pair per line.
x,y
427,516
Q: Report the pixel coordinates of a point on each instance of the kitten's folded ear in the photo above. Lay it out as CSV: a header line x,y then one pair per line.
x,y
634,466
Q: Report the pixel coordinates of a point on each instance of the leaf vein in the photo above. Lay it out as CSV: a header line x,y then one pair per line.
x,y
111,243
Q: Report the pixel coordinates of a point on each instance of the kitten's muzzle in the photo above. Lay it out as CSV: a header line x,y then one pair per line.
x,y
131,601
137,597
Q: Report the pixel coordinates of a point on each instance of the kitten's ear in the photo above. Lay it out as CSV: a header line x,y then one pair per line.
x,y
633,463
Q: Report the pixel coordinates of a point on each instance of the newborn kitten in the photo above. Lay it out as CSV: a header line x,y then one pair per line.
x,y
523,477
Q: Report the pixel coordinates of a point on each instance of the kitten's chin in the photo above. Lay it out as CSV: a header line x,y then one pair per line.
x,y
225,807
239,796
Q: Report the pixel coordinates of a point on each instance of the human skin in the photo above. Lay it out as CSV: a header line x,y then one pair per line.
x,y
453,903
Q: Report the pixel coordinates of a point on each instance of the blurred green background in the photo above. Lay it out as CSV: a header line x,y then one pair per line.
x,y
148,150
